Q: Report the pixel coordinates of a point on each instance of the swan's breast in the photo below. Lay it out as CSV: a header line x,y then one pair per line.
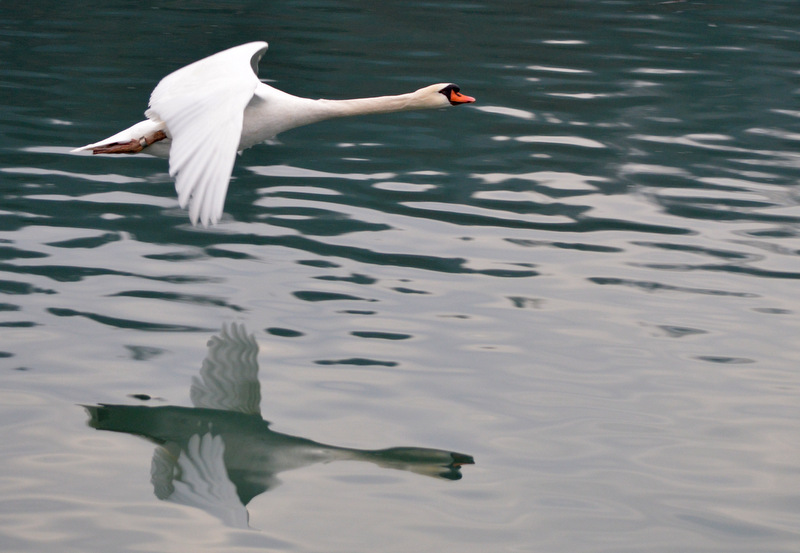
x,y
271,112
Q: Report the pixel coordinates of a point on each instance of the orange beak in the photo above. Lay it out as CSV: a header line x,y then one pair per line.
x,y
458,98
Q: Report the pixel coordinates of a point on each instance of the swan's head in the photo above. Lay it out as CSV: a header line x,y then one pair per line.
x,y
442,95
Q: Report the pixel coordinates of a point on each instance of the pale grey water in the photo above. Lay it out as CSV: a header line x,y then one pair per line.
x,y
587,280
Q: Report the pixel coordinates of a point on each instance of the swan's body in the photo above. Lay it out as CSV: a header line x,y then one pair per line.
x,y
201,115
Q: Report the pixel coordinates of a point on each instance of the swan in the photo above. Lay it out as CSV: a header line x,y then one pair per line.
x,y
201,115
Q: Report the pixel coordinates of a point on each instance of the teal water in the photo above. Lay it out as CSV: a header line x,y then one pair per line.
x,y
586,281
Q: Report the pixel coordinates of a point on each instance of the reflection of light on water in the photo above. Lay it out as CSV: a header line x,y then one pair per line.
x,y
568,140
511,112
557,69
550,179
488,213
111,177
565,42
299,172
775,133
582,95
403,186
311,190
110,198
358,144
663,71
695,140
512,196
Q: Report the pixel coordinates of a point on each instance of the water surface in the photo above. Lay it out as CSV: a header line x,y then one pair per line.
x,y
587,280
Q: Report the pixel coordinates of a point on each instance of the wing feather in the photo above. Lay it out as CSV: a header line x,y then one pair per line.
x,y
203,106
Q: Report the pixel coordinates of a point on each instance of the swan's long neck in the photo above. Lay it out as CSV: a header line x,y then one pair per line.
x,y
327,109
273,111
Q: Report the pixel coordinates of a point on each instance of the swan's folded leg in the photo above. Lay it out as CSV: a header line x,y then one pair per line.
x,y
133,147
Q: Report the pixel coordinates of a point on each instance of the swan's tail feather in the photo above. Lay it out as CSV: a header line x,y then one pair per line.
x,y
134,146
130,141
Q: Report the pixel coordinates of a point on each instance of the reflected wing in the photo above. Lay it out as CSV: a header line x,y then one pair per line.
x,y
203,107
197,477
229,376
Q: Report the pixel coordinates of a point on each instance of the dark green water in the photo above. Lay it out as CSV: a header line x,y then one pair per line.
x,y
587,281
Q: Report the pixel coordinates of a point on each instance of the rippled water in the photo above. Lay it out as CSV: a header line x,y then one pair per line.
x,y
587,281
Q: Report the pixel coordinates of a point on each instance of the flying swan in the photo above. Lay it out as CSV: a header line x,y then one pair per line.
x,y
201,115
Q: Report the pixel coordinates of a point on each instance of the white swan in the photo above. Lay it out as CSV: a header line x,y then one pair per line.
x,y
202,114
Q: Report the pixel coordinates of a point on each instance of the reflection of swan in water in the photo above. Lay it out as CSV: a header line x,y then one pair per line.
x,y
220,454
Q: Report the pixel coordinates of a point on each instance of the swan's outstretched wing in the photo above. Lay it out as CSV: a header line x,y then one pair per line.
x,y
203,107
229,377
